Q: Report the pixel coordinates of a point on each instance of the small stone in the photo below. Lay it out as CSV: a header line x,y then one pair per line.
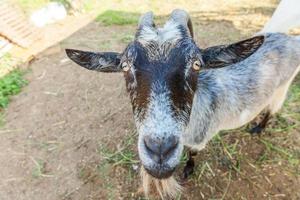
x,y
135,167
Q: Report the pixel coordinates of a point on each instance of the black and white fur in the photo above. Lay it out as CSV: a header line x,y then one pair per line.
x,y
176,105
232,96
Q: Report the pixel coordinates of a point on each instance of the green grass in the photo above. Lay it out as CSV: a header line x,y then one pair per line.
x,y
281,153
295,92
116,158
292,105
228,154
271,147
39,169
105,45
126,38
11,84
89,5
184,157
123,156
7,61
114,17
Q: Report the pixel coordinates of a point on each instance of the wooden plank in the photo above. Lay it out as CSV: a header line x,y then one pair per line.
x,y
15,26
4,46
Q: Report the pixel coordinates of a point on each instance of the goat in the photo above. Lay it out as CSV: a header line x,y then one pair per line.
x,y
183,95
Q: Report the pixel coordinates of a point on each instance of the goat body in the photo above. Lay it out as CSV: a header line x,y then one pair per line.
x,y
230,97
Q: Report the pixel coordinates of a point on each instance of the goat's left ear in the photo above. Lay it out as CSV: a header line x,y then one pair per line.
x,y
224,55
102,62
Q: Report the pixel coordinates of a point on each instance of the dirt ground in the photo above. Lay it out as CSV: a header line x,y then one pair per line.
x,y
67,133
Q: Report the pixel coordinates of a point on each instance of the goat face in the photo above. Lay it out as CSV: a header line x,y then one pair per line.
x,y
161,78
161,68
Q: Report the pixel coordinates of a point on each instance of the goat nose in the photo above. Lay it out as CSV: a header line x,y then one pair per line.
x,y
160,149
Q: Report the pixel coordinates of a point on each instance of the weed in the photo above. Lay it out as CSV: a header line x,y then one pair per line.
x,y
184,157
105,45
39,169
2,120
291,106
11,84
126,38
7,61
90,5
113,17
282,124
294,93
262,158
121,157
227,154
281,153
124,156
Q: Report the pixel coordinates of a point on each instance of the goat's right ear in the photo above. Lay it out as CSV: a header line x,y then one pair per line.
x,y
102,62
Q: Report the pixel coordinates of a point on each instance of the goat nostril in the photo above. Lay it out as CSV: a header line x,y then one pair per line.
x,y
152,145
169,145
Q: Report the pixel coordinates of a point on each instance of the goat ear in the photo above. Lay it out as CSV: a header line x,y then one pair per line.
x,y
102,62
224,55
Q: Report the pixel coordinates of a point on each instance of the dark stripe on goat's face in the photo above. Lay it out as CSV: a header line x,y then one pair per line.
x,y
182,94
138,81
182,81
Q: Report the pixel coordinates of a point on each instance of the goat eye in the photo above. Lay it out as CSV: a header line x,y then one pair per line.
x,y
125,66
197,65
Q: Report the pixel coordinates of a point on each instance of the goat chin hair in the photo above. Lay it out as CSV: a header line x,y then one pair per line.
x,y
166,188
285,17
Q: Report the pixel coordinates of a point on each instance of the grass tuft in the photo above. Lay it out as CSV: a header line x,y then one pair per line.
x,y
113,17
11,84
282,153
123,156
39,169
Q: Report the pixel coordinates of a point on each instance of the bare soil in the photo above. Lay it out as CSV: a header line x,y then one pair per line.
x,y
57,127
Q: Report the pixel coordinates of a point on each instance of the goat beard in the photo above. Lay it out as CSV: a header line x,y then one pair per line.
x,y
166,188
